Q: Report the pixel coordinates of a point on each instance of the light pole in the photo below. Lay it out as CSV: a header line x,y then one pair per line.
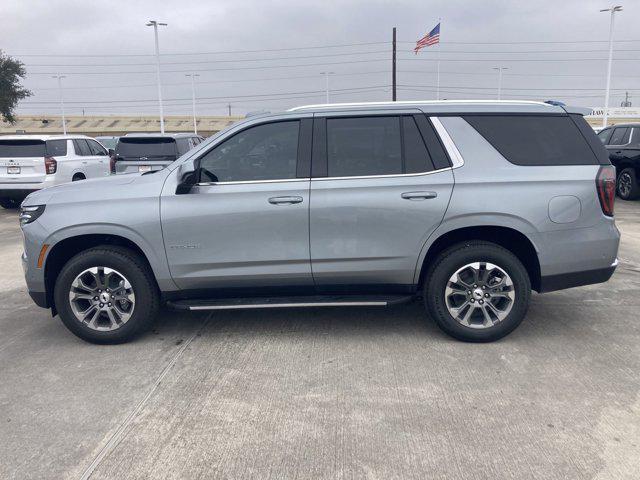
x,y
613,10
64,121
155,24
193,99
500,69
326,84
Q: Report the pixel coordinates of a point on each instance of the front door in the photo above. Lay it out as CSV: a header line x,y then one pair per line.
x,y
380,187
246,224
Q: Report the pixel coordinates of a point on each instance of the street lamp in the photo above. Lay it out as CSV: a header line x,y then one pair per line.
x,y
326,77
500,69
613,10
193,99
155,24
64,122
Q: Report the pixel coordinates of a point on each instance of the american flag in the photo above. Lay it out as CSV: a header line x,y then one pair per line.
x,y
430,38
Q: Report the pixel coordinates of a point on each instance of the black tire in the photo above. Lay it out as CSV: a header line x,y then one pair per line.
x,y
456,257
9,203
77,177
134,268
627,186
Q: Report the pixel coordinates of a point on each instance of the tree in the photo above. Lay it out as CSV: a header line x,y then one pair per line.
x,y
11,91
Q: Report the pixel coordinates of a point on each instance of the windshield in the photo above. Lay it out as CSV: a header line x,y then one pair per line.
x,y
146,147
22,148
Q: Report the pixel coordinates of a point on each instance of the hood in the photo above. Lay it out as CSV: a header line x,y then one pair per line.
x,y
99,189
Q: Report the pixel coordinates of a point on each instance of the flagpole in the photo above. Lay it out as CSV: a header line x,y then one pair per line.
x,y
438,80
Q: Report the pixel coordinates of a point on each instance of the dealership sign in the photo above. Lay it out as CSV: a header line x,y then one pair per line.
x,y
616,112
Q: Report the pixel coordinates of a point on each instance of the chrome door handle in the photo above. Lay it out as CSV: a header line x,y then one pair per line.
x,y
285,200
418,195
84,163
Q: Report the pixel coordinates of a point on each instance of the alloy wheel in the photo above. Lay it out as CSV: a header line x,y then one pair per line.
x,y
479,295
102,298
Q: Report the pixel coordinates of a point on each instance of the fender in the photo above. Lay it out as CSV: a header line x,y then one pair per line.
x,y
495,219
156,257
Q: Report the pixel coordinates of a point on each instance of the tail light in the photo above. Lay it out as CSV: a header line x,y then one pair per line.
x,y
606,188
50,165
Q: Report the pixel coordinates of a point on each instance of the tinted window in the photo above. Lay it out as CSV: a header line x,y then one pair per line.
x,y
108,142
535,139
146,147
263,152
56,148
416,156
363,146
605,135
183,145
620,136
22,148
592,139
436,150
635,137
96,148
81,147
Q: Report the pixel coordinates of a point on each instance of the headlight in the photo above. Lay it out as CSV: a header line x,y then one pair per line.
x,y
30,214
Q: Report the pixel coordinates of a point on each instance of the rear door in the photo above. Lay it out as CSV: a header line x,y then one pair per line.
x,y
101,158
84,161
22,161
380,186
617,143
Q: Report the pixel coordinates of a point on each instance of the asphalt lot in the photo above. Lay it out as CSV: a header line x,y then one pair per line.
x,y
327,393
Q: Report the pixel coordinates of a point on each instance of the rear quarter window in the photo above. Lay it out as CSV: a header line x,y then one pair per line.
x,y
535,140
56,148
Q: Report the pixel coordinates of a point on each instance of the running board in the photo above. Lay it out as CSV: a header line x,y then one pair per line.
x,y
290,302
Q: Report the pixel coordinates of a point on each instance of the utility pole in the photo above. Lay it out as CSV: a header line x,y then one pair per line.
x,y
500,69
155,24
326,78
64,121
613,10
193,99
393,67
229,106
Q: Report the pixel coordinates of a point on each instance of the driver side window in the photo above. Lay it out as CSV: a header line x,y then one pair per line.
x,y
263,152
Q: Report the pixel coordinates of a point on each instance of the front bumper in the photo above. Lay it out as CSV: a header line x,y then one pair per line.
x,y
551,283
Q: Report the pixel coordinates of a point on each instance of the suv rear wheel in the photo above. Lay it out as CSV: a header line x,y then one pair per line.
x,y
627,186
106,295
477,291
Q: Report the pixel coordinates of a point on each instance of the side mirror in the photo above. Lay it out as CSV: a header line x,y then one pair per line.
x,y
188,177
112,152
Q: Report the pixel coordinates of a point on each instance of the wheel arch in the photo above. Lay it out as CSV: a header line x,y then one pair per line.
x,y
508,237
62,251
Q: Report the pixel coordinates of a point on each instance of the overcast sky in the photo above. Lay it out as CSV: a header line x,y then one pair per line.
x,y
109,63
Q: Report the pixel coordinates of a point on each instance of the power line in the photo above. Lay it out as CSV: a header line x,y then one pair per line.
x,y
88,102
202,61
220,52
203,53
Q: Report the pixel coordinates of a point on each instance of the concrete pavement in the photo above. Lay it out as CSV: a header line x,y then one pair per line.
x,y
327,393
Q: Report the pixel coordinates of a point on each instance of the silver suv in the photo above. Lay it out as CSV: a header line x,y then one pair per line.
x,y
470,205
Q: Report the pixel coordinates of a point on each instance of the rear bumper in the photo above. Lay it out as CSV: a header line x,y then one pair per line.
x,y
18,192
551,283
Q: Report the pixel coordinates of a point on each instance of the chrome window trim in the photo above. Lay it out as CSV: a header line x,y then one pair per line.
x,y
454,154
242,182
393,175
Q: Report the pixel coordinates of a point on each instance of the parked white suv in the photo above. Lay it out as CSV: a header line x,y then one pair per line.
x,y
33,162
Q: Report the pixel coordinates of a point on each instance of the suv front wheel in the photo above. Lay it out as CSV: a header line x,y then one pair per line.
x,y
106,295
477,291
